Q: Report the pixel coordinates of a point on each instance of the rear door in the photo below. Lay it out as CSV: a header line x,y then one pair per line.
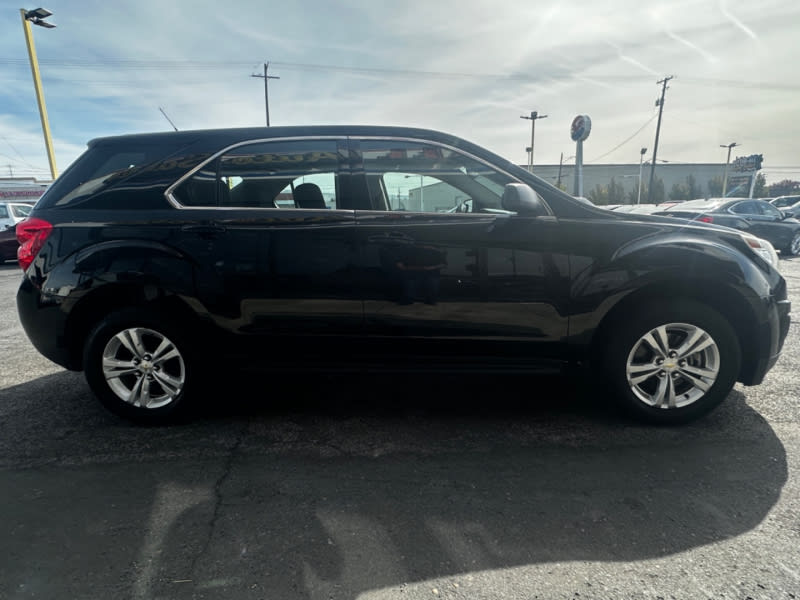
x,y
279,250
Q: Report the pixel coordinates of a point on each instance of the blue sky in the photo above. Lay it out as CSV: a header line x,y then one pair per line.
x,y
466,67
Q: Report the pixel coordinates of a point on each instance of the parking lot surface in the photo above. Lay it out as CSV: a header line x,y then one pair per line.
x,y
383,487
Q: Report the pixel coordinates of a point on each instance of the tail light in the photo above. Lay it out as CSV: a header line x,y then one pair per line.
x,y
706,219
31,234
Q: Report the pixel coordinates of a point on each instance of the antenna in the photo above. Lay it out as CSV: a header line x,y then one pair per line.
x,y
167,118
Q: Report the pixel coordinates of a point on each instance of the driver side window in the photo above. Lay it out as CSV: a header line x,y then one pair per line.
x,y
420,177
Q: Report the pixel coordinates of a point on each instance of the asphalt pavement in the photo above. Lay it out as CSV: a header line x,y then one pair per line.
x,y
386,487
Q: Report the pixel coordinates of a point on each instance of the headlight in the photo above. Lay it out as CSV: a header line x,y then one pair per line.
x,y
763,249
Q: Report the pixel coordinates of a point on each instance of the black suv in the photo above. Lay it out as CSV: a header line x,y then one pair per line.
x,y
157,256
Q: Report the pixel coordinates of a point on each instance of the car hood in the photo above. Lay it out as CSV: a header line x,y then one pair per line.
x,y
696,226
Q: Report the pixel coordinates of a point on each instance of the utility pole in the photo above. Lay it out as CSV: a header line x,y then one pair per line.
x,y
727,162
660,104
266,78
560,164
534,115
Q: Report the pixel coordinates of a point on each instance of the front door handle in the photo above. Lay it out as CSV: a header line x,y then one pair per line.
x,y
205,231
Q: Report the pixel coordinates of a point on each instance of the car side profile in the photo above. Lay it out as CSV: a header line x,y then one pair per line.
x,y
156,257
754,216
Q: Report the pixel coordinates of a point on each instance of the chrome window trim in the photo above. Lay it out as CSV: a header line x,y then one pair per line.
x,y
168,193
443,145
174,202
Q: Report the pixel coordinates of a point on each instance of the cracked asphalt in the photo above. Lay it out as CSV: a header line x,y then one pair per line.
x,y
386,487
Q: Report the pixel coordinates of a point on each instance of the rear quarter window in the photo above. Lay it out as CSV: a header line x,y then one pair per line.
x,y
136,173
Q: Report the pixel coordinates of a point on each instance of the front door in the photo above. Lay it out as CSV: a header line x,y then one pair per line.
x,y
444,265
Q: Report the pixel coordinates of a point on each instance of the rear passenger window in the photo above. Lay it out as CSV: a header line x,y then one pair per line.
x,y
280,174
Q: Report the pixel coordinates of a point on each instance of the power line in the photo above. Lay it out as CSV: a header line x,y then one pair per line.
x,y
192,65
618,146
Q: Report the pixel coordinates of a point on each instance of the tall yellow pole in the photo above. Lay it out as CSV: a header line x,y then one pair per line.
x,y
37,83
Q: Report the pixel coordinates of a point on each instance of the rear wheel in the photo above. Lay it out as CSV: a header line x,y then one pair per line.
x,y
673,362
140,365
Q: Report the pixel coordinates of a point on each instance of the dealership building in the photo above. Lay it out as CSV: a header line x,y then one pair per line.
x,y
22,189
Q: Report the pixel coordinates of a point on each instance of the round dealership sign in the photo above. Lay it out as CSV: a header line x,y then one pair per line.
x,y
581,126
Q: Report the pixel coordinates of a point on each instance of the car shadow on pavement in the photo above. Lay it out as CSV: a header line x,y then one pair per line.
x,y
330,487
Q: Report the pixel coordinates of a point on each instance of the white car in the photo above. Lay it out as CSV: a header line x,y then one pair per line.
x,y
12,213
787,203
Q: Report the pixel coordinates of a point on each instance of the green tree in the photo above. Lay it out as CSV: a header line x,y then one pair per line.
x,y
658,193
613,193
787,187
760,190
598,195
658,196
686,191
715,187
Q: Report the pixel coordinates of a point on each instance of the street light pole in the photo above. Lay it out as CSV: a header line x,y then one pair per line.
x,y
37,16
727,162
639,193
534,116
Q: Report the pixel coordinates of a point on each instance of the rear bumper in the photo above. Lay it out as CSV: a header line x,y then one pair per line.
x,y
44,322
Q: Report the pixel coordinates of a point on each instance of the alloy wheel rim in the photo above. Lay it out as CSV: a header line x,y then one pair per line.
x,y
673,365
143,368
796,244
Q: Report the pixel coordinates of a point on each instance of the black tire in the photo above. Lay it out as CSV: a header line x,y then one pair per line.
x,y
684,396
159,377
793,247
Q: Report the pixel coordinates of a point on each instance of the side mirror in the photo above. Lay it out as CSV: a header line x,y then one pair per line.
x,y
788,214
523,200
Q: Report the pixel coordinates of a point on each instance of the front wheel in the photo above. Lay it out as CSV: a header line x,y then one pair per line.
x,y
672,363
140,366
793,247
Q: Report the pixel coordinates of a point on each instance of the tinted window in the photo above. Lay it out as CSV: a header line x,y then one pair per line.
x,y
746,208
770,211
106,165
3,211
280,174
787,201
427,178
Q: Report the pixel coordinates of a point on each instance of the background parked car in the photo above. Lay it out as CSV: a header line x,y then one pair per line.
x,y
643,209
13,212
8,243
757,217
786,203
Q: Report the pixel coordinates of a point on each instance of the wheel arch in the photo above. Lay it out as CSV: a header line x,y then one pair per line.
x,y
98,303
727,300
